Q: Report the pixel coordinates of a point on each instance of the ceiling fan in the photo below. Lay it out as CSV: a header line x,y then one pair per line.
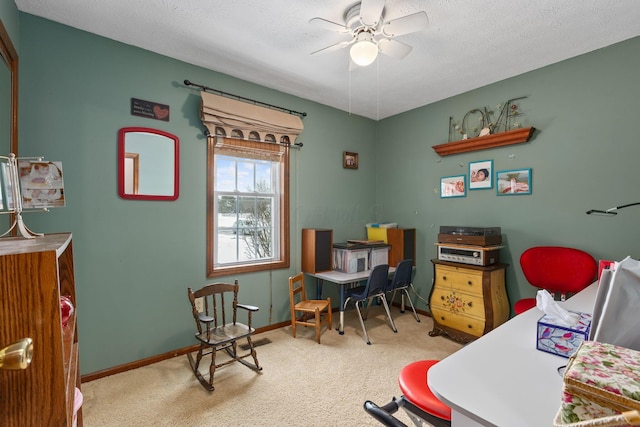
x,y
370,33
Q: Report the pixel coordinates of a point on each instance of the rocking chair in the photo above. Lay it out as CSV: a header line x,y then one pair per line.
x,y
215,332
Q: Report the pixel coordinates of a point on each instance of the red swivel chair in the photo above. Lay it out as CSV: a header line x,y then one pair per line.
x,y
557,269
417,399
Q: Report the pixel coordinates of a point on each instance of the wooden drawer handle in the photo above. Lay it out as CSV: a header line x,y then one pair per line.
x,y
469,283
470,304
441,317
442,297
444,277
470,326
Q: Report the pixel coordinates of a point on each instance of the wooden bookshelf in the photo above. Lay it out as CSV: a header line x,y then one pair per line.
x,y
34,274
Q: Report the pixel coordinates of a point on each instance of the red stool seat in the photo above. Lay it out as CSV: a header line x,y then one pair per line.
x,y
413,383
524,304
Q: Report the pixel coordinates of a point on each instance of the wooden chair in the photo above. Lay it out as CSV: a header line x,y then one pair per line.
x,y
307,312
210,306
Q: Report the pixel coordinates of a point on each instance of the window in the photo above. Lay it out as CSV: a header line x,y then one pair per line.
x,y
248,206
247,184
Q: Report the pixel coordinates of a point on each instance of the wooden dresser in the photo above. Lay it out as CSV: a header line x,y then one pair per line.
x,y
34,273
467,301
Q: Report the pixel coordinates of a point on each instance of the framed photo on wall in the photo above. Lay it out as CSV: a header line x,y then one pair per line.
x,y
513,182
350,160
481,175
453,186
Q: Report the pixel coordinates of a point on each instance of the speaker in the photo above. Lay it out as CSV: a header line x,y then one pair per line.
x,y
403,245
317,250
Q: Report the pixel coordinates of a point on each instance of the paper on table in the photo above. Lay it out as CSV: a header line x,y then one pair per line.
x,y
555,314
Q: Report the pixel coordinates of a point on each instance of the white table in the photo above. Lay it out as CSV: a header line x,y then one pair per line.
x,y
342,280
501,379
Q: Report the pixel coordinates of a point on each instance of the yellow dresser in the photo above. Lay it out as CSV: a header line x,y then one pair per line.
x,y
467,301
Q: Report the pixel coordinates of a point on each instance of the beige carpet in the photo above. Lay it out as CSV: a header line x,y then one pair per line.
x,y
302,383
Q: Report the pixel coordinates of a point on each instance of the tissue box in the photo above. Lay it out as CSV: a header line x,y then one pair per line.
x,y
562,340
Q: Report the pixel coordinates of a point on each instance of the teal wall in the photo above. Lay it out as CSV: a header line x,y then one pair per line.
x,y
135,259
10,19
583,155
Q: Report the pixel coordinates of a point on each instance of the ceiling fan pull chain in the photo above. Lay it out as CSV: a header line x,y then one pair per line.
x,y
349,72
378,90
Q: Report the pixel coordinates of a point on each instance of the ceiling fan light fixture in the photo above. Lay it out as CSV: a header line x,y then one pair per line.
x,y
364,51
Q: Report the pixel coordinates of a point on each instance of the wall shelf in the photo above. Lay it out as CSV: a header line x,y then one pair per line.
x,y
509,137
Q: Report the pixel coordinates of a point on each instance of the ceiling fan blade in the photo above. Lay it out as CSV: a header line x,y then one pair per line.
x,y
394,48
329,25
407,24
333,47
371,11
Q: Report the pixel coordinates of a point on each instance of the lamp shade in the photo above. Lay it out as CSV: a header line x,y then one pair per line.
x,y
364,51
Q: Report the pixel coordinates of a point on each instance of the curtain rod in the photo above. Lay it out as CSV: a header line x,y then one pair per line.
x,y
264,104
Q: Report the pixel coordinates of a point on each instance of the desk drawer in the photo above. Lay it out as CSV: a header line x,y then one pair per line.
x,y
457,302
470,325
465,280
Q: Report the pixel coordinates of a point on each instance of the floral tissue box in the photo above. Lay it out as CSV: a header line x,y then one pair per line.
x,y
562,340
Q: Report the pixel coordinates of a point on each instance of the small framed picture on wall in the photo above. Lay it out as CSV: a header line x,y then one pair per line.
x,y
513,182
350,160
453,186
481,175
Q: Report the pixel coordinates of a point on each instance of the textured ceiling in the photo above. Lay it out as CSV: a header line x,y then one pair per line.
x,y
468,44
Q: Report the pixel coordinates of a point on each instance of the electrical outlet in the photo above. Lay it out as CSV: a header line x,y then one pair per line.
x,y
199,305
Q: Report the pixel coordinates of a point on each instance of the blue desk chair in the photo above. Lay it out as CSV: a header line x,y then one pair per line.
x,y
402,281
374,289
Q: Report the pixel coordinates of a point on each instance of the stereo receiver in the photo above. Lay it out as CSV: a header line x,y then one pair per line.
x,y
475,255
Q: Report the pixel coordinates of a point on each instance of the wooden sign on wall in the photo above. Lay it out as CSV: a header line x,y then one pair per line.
x,y
151,110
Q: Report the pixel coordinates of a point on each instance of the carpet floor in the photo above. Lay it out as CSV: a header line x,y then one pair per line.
x,y
302,383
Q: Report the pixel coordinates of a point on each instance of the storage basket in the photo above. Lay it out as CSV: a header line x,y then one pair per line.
x,y
601,387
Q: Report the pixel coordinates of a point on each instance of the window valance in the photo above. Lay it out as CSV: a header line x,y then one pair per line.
x,y
238,117
248,149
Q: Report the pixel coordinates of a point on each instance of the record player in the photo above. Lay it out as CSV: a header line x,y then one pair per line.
x,y
477,236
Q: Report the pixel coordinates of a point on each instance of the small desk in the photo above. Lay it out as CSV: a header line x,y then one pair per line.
x,y
501,379
342,280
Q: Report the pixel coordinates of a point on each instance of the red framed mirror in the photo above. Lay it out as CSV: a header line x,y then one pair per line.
x,y
148,164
